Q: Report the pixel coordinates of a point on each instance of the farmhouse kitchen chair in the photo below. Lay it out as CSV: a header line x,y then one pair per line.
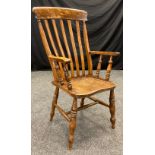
x,y
79,84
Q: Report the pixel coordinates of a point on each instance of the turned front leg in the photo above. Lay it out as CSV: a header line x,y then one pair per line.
x,y
55,98
72,123
112,108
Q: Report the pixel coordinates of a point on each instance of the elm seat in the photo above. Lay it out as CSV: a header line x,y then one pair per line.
x,y
86,86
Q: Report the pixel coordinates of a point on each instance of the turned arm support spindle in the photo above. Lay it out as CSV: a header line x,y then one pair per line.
x,y
64,62
67,76
109,68
99,65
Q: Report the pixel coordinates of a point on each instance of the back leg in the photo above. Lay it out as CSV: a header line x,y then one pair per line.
x,y
112,108
55,98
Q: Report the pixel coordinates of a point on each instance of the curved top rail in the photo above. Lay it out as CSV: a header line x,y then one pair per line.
x,y
59,13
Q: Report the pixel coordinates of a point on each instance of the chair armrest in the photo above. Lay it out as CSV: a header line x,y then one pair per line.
x,y
110,53
60,59
109,67
57,61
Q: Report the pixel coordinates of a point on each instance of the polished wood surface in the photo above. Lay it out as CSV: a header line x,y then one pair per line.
x,y
76,82
54,102
72,123
110,53
73,47
59,13
80,47
112,107
86,86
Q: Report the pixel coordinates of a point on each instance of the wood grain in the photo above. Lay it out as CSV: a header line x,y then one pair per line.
x,y
54,102
67,47
80,47
57,38
99,65
79,86
110,53
72,124
109,68
59,13
86,86
87,48
54,47
74,47
112,107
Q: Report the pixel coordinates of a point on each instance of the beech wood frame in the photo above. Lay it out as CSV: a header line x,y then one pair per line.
x,y
59,64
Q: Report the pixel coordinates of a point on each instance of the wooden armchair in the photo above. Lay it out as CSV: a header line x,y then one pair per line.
x,y
80,84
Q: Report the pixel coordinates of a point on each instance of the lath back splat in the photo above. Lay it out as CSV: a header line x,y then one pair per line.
x,y
56,17
57,31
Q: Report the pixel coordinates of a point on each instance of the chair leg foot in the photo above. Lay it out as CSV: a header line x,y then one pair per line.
x,y
113,123
51,116
112,108
55,98
72,124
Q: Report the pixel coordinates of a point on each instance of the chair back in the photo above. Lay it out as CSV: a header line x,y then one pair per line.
x,y
63,32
